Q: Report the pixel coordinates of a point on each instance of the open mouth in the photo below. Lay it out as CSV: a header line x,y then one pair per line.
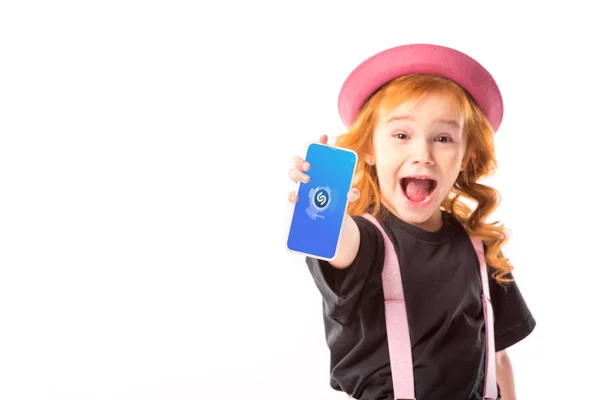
x,y
418,189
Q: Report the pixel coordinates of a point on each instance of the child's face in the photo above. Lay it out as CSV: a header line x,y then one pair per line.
x,y
421,139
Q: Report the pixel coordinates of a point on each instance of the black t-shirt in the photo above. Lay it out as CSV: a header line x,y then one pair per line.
x,y
442,286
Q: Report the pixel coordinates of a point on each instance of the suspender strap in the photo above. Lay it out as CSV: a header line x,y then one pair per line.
x,y
398,336
396,322
490,390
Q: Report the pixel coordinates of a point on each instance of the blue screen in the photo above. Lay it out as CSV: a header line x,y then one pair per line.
x,y
319,212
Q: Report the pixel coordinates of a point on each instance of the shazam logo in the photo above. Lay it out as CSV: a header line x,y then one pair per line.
x,y
321,199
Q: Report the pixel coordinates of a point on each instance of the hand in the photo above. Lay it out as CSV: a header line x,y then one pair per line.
x,y
297,174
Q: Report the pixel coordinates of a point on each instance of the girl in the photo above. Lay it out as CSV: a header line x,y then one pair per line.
x,y
421,119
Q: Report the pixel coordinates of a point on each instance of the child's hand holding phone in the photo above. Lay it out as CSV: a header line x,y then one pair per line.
x,y
320,225
297,175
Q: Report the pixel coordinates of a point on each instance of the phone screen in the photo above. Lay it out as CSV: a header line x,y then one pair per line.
x,y
322,202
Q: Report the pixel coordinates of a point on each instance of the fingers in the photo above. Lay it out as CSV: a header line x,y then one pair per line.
x,y
300,163
298,176
297,172
353,195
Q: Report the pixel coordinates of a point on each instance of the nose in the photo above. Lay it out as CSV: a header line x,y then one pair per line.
x,y
422,153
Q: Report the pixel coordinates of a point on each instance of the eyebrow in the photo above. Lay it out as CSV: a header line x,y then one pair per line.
x,y
445,121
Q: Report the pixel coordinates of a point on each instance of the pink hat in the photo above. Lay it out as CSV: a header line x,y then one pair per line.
x,y
374,72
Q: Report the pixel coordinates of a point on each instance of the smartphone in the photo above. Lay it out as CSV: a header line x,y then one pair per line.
x,y
322,202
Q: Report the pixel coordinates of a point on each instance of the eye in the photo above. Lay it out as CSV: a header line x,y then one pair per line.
x,y
400,135
444,139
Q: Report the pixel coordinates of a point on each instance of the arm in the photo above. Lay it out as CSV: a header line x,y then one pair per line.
x,y
504,375
349,244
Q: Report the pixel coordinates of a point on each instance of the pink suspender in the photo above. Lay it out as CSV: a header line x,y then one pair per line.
x,y
490,390
397,324
396,321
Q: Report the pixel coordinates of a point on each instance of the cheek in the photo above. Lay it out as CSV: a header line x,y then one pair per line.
x,y
450,156
387,172
452,166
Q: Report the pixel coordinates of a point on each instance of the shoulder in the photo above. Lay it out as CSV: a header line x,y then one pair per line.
x,y
368,229
513,319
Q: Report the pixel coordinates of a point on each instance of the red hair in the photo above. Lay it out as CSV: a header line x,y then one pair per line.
x,y
469,201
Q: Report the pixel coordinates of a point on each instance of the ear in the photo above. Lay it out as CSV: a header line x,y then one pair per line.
x,y
369,159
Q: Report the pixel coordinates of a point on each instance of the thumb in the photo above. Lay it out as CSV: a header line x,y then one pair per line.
x,y
353,195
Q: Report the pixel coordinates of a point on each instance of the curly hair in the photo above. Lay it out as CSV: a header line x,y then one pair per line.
x,y
469,201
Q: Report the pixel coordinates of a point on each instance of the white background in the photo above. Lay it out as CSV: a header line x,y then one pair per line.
x,y
144,159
